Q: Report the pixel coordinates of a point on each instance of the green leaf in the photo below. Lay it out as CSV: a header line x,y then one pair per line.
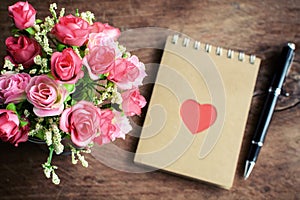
x,y
125,55
70,87
11,107
68,98
38,21
60,47
30,30
39,135
50,76
19,105
77,13
73,102
23,123
110,84
102,76
14,30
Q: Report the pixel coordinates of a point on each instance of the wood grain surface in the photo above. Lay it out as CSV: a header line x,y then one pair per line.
x,y
253,26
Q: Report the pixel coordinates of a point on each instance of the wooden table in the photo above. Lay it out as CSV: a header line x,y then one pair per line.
x,y
253,26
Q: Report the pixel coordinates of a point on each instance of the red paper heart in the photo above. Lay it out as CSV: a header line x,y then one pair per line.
x,y
197,117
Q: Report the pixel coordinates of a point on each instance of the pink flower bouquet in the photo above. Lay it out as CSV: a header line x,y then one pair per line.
x,y
67,82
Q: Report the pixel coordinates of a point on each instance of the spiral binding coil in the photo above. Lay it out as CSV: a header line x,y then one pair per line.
x,y
208,48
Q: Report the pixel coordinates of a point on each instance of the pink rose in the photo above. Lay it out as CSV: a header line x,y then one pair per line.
x,y
71,30
12,87
106,127
66,66
82,121
100,39
108,30
113,125
22,50
9,128
46,95
122,124
127,73
99,60
132,102
23,14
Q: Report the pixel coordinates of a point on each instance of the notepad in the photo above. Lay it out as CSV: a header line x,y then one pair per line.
x,y
198,111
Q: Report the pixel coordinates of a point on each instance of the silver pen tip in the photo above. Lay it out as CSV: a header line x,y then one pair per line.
x,y
248,169
291,45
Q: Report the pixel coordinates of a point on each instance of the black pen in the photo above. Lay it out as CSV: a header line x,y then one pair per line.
x,y
260,133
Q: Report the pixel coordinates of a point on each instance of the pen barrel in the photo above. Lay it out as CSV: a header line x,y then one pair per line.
x,y
283,66
265,118
253,152
262,126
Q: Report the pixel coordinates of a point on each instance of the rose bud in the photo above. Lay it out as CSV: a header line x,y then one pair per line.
x,y
22,50
12,87
82,121
127,73
9,128
132,102
46,95
108,30
66,66
23,14
99,60
71,30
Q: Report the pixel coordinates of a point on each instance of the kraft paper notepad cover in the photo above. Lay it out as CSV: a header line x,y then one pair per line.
x,y
198,110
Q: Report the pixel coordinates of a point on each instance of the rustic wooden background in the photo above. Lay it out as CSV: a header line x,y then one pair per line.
x,y
253,26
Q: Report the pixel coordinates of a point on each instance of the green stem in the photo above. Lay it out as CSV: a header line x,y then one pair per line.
x,y
51,148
